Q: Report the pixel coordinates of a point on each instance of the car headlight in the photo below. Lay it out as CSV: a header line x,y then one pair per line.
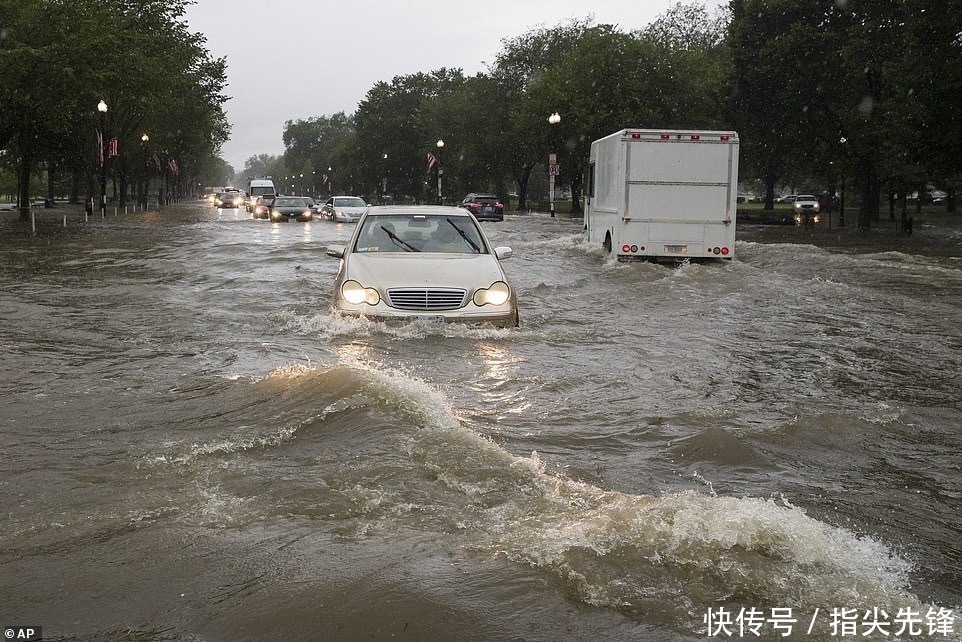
x,y
355,293
496,294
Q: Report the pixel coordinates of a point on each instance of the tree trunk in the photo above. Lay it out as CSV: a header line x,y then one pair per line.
x,y
868,209
576,209
23,183
770,192
523,187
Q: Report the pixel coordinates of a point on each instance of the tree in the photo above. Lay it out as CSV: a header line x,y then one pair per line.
x,y
518,69
58,59
390,140
309,145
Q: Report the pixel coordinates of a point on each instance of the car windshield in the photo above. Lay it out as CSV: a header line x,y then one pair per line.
x,y
420,233
349,201
290,202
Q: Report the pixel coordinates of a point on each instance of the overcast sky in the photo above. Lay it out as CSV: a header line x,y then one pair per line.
x,y
297,59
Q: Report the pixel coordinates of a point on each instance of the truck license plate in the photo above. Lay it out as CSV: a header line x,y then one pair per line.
x,y
676,249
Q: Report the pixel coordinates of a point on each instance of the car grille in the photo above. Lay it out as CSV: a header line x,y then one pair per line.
x,y
426,298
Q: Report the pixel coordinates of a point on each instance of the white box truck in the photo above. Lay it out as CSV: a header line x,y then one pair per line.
x,y
663,195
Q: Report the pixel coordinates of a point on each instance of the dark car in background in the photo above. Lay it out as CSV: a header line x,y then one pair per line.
x,y
292,208
485,207
261,206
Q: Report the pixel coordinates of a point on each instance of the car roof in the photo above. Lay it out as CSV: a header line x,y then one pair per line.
x,y
417,210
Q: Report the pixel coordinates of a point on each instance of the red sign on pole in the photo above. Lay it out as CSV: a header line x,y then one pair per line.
x,y
112,148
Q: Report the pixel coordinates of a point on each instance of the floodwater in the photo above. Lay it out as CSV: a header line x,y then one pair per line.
x,y
195,448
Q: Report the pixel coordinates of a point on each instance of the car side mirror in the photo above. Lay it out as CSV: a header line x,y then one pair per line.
x,y
337,251
502,253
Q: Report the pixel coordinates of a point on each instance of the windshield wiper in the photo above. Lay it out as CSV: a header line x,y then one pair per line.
x,y
399,241
464,236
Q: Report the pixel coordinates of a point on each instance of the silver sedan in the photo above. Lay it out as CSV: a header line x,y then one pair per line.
x,y
423,263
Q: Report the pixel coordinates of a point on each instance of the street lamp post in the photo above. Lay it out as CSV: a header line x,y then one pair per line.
x,y
384,181
553,168
440,170
841,206
146,139
102,108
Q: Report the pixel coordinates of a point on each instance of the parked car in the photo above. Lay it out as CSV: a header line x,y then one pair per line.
x,y
485,207
426,263
806,210
344,209
261,207
291,208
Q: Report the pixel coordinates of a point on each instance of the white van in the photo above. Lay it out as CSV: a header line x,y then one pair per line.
x,y
259,187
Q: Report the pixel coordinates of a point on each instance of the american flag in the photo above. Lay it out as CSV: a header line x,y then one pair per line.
x,y
431,161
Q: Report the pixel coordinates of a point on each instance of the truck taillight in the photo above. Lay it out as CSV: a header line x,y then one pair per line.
x,y
636,135
665,136
695,137
724,138
724,251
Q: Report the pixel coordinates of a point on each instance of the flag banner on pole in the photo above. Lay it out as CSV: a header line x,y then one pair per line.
x,y
431,161
323,179
100,148
113,148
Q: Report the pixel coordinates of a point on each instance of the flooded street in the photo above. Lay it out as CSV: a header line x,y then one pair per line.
x,y
196,448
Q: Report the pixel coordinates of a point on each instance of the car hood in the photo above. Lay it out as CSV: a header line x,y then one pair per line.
x,y
397,270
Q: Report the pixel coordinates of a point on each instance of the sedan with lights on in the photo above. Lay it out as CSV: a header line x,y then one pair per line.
x,y
806,210
261,206
228,199
344,209
291,208
424,263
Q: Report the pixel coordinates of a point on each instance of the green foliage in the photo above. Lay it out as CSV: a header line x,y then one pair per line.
x,y
59,58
